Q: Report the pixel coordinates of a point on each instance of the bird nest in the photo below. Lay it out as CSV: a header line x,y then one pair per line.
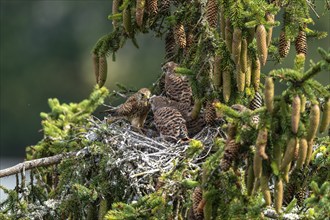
x,y
141,159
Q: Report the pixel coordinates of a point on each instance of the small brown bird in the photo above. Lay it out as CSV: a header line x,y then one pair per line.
x,y
135,109
168,120
177,87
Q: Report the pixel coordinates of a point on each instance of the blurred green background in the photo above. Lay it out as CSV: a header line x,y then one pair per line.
x,y
45,52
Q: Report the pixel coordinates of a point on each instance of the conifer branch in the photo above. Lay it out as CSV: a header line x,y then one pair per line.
x,y
41,162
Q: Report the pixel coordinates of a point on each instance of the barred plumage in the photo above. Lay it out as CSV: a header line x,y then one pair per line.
x,y
236,45
152,7
195,125
169,45
197,198
103,70
180,35
256,102
261,37
212,12
301,43
300,196
284,45
289,192
135,109
140,6
255,73
231,153
165,6
169,122
177,87
189,50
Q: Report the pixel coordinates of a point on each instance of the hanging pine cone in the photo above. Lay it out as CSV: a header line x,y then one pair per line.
x,y
127,22
284,45
210,115
115,10
270,18
301,43
236,45
188,50
255,73
103,70
165,6
256,102
169,45
197,198
152,7
226,81
212,13
229,35
140,6
261,37
217,71
289,192
96,66
180,35
231,153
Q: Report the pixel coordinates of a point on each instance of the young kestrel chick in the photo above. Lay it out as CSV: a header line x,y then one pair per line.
x,y
135,109
168,120
177,86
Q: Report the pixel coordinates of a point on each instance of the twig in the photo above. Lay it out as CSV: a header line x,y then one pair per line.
x,y
27,165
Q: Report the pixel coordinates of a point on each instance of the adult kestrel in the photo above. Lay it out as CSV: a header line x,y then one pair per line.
x,y
177,87
168,120
135,109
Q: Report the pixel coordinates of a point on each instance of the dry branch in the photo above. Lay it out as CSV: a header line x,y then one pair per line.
x,y
27,165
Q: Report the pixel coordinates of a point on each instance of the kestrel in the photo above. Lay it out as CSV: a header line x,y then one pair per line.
x,y
177,87
135,109
168,120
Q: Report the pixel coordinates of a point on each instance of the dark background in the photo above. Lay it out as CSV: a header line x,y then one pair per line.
x,y
45,52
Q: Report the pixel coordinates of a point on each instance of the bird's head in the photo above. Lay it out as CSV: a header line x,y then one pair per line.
x,y
169,67
144,95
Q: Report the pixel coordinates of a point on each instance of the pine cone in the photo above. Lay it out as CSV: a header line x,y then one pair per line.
x,y
295,114
165,6
289,192
300,196
256,102
210,115
115,10
269,18
169,45
217,71
228,35
231,153
301,43
255,73
96,66
103,69
197,198
236,45
284,45
212,13
180,35
261,37
226,81
140,6
127,22
152,7
190,38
